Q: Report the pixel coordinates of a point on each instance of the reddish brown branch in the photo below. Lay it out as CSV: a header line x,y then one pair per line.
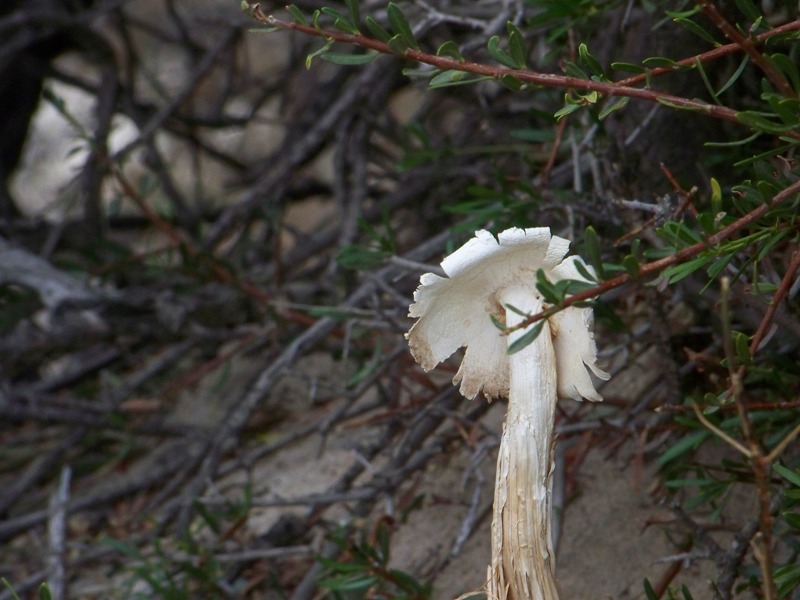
x,y
681,255
777,298
547,80
749,47
710,55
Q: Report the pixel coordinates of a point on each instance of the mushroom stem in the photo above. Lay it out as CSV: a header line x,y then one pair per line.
x,y
522,549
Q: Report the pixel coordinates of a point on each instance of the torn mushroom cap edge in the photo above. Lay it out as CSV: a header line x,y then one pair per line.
x,y
452,312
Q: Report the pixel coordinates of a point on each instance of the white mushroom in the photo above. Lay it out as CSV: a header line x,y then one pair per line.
x,y
485,277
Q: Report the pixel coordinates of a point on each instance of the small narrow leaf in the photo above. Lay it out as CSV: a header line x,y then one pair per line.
x,y
584,272
627,67
789,475
498,54
511,82
549,292
355,14
401,26
498,323
631,266
342,58
589,61
340,22
526,339
716,197
659,62
696,29
567,110
450,50
741,343
377,30
759,121
649,591
516,46
453,77
735,76
789,68
317,53
573,70
398,44
684,445
592,245
612,106
749,9
297,14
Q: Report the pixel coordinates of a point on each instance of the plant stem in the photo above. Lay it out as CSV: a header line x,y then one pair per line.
x,y
523,560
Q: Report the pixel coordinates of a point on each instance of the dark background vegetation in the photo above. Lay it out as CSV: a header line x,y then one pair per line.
x,y
188,213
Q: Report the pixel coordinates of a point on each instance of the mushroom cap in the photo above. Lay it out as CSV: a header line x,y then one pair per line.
x,y
453,312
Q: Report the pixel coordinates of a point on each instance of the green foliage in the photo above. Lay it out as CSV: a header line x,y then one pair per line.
x,y
736,229
180,569
364,570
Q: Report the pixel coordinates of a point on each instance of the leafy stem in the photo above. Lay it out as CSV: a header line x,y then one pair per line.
x,y
525,76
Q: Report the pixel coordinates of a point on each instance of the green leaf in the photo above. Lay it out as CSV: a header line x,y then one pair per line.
x,y
498,54
589,61
788,109
549,292
627,67
749,10
736,74
573,70
382,542
696,29
788,67
498,323
659,62
789,475
683,270
592,246
357,257
526,339
355,13
706,81
787,578
649,591
567,110
317,53
741,344
534,135
759,121
409,584
683,445
716,196
516,46
349,583
631,266
398,44
343,58
453,77
377,30
44,592
511,82
297,14
446,78
585,272
792,520
400,25
610,107
450,50
340,22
